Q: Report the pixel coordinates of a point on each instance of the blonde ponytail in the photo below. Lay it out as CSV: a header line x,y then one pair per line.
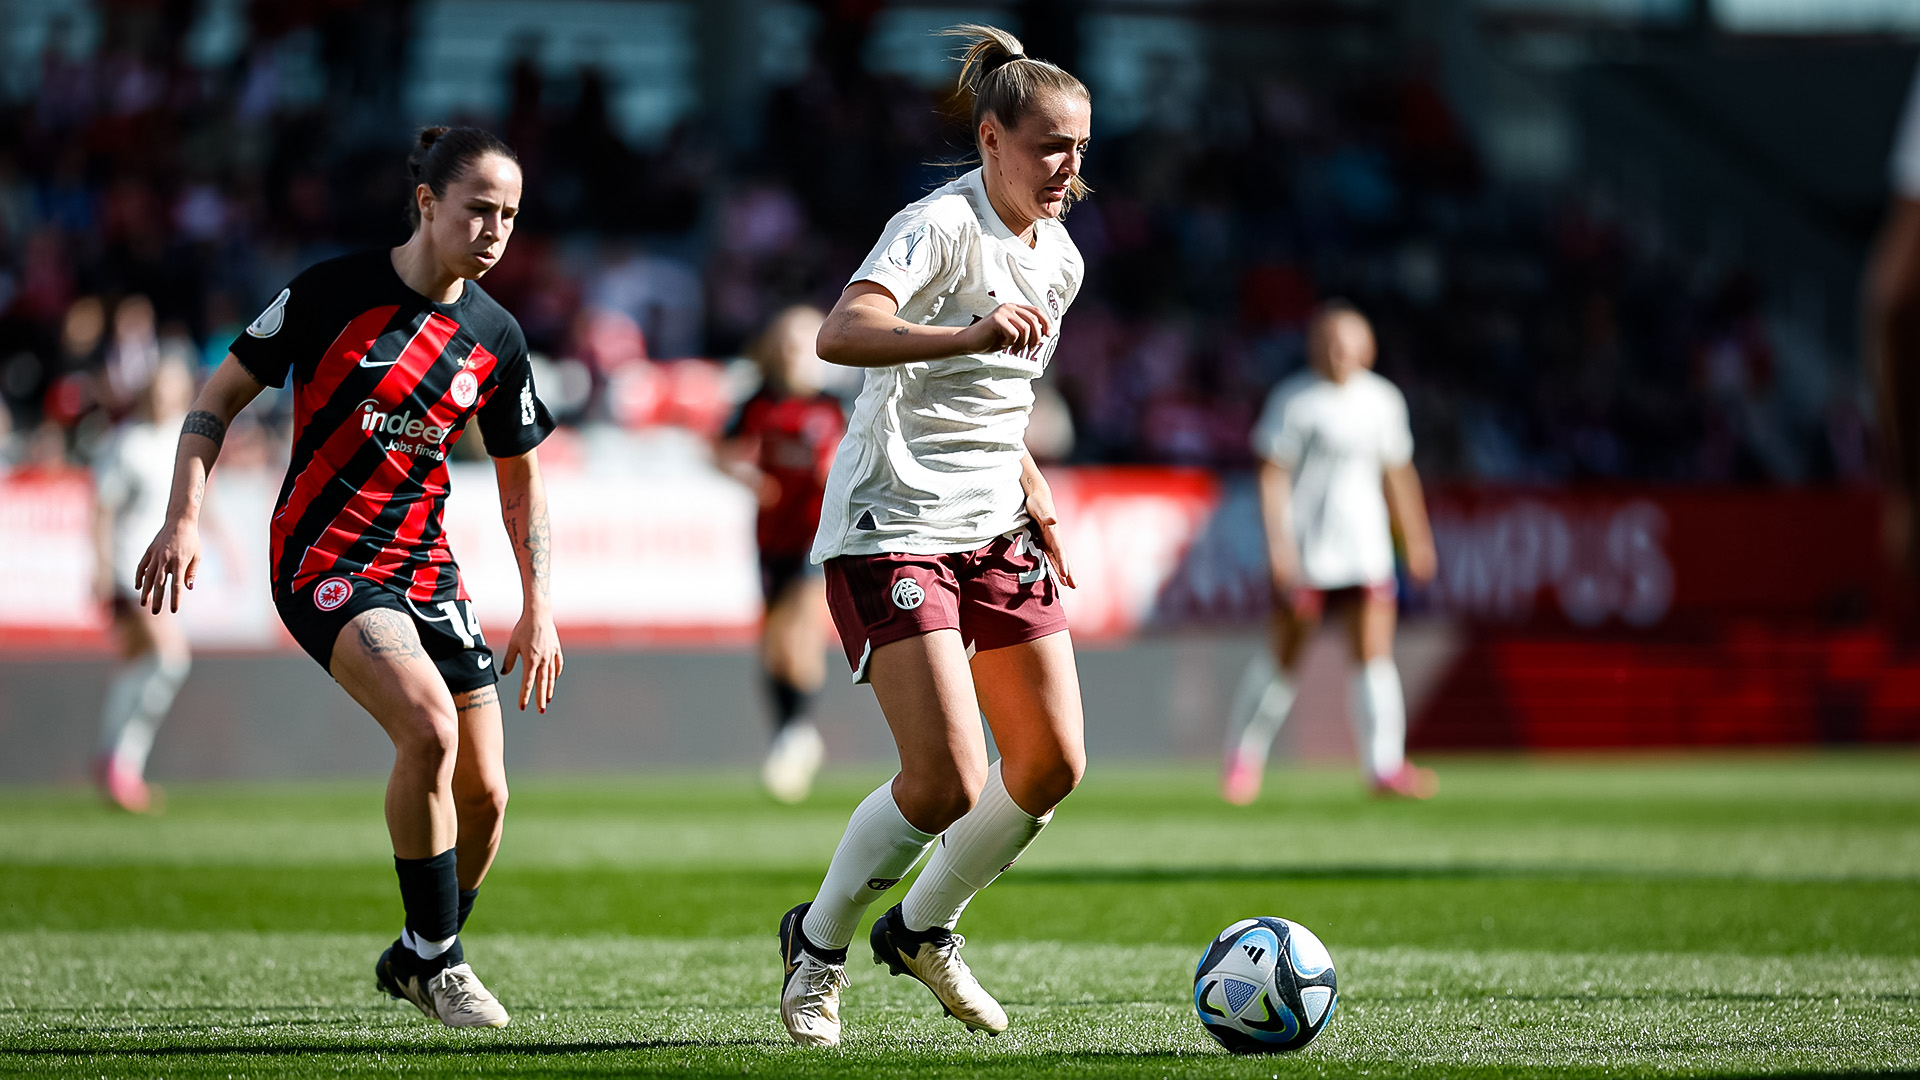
x,y
998,77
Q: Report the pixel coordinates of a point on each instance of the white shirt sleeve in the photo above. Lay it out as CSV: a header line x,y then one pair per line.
x,y
1274,439
1396,434
1906,147
912,254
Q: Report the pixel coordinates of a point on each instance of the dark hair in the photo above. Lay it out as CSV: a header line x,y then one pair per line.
x,y
999,77
442,155
1336,306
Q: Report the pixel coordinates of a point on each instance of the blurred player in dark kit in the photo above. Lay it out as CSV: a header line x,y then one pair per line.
x,y
1336,477
390,353
781,445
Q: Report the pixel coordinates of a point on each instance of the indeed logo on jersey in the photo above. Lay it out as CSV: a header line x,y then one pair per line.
x,y
428,437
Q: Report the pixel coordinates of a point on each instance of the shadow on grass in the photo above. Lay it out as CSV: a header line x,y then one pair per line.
x,y
1152,875
355,1047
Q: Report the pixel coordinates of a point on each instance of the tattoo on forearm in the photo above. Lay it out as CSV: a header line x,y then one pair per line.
x,y
901,331
478,699
387,635
537,543
206,425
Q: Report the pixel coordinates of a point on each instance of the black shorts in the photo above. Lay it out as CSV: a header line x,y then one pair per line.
x,y
449,630
779,570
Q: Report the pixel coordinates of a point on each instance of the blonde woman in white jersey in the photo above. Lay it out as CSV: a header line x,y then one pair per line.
x,y
1336,476
938,535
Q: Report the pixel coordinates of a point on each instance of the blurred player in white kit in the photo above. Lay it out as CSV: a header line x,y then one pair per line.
x,y
133,475
1336,478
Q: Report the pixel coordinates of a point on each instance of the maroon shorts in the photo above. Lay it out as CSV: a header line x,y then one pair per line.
x,y
999,595
1306,602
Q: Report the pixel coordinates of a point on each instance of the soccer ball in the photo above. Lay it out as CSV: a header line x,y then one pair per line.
x,y
1251,1000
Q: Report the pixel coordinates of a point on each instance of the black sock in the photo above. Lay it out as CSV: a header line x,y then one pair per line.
x,y
430,892
790,703
467,897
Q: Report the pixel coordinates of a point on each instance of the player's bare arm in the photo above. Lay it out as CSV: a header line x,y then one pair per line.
x,y
1407,511
1276,496
1892,338
523,509
1045,521
175,553
865,330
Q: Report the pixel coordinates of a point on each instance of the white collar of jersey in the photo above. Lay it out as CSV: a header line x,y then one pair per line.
x,y
976,182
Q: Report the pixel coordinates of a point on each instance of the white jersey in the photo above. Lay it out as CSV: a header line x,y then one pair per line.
x,y
1906,147
1337,440
931,459
133,476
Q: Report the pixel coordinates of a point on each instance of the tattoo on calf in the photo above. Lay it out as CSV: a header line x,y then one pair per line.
x,y
389,635
206,425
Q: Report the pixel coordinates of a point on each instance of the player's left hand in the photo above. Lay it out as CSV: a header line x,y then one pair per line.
x,y
535,638
1046,526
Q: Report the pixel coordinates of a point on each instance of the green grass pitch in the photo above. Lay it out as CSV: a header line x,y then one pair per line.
x,y
1594,917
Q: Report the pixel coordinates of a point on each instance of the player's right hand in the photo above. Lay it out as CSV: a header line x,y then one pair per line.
x,y
1009,327
174,555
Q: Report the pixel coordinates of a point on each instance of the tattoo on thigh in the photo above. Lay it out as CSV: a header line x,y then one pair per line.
x,y
479,699
389,635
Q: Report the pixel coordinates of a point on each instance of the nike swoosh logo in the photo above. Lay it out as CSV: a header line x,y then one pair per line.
x,y
486,661
364,362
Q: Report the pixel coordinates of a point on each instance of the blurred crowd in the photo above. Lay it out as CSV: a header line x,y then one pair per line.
x,y
149,206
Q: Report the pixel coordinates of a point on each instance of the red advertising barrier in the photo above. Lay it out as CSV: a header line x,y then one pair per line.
x,y
1668,618
1587,618
1655,558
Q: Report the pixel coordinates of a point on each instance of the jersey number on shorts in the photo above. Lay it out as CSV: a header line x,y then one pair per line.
x,y
467,627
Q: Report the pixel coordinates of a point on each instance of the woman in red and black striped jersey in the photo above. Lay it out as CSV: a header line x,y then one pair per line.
x,y
390,353
781,444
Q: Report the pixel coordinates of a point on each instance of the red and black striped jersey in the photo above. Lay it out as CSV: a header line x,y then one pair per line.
x,y
794,439
384,382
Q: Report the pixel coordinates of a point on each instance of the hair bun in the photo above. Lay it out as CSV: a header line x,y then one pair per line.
x,y
998,62
443,154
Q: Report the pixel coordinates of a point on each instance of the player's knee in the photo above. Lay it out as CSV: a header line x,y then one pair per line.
x,y
934,803
431,735
1040,786
489,800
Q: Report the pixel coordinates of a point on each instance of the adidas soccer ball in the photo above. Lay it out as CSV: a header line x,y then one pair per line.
x,y
1263,986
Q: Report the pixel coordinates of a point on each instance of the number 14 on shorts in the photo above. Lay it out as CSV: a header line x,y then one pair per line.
x,y
466,627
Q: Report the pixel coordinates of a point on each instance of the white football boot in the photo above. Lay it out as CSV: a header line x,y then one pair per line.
x,y
810,996
933,957
792,762
454,996
461,1001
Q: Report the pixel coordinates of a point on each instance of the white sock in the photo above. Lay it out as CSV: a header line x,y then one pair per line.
x,y
975,850
877,851
1260,707
1383,718
123,697
424,949
137,702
